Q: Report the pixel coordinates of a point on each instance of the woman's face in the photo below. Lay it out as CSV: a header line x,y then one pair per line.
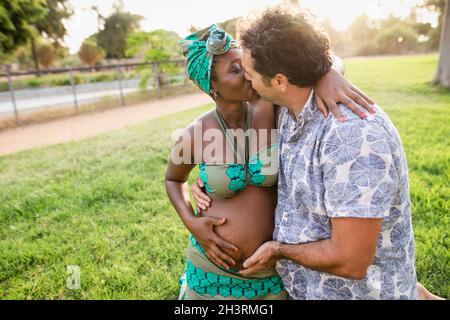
x,y
229,81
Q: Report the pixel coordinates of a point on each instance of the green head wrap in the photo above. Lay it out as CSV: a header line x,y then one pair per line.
x,y
199,54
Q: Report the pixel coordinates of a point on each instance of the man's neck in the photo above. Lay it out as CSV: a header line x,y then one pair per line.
x,y
296,99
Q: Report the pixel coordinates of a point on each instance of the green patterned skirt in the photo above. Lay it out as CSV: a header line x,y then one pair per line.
x,y
203,280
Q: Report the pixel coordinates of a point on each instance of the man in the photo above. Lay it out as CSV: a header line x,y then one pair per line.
x,y
343,223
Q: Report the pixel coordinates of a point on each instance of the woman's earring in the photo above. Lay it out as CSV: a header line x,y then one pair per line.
x,y
214,94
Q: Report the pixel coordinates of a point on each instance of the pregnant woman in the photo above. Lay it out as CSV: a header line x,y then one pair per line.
x,y
245,195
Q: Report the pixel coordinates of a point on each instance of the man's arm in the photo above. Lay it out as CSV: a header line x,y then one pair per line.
x,y
348,253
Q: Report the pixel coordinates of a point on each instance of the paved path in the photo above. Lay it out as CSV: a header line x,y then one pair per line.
x,y
86,125
27,99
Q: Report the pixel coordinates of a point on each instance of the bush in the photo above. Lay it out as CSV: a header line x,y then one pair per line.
x,y
90,53
33,83
46,54
83,78
397,39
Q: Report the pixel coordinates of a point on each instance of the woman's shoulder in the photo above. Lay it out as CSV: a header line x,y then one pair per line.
x,y
207,116
185,138
204,121
264,112
262,104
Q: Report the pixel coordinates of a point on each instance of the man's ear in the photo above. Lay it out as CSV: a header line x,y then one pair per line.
x,y
280,81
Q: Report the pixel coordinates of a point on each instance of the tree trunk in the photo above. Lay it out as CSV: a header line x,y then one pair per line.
x,y
442,76
33,51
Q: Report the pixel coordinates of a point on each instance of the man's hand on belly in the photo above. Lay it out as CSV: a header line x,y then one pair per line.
x,y
263,259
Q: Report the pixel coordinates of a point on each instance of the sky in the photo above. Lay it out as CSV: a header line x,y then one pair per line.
x,y
179,15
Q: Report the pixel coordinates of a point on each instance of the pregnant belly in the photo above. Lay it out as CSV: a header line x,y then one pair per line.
x,y
249,220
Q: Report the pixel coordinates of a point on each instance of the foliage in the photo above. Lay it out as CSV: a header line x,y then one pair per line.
x,y
46,81
230,26
17,18
158,45
437,6
52,25
117,27
90,53
23,57
398,38
24,21
46,54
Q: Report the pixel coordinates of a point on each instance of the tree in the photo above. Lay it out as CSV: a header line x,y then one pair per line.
x,y
16,20
46,54
23,57
100,18
360,35
294,3
90,53
442,76
437,6
118,26
137,44
51,27
193,29
230,26
397,38
336,38
157,45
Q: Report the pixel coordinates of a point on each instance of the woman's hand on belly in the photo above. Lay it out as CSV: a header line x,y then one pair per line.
x,y
202,229
250,220
202,200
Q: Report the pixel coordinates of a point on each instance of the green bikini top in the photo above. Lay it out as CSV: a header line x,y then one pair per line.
x,y
228,179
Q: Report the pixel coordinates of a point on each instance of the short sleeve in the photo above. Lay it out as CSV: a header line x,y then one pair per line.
x,y
356,160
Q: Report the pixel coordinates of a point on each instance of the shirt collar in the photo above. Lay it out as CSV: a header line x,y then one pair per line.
x,y
309,113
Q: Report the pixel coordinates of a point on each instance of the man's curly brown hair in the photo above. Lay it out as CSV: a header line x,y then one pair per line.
x,y
291,44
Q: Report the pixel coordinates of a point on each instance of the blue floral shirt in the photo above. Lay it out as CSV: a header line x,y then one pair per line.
x,y
357,169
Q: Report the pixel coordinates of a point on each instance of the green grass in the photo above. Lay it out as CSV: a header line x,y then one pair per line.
x,y
101,204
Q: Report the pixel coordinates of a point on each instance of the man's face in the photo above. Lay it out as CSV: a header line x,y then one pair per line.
x,y
264,90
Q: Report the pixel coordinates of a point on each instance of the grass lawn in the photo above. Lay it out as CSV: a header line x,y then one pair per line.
x,y
100,204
